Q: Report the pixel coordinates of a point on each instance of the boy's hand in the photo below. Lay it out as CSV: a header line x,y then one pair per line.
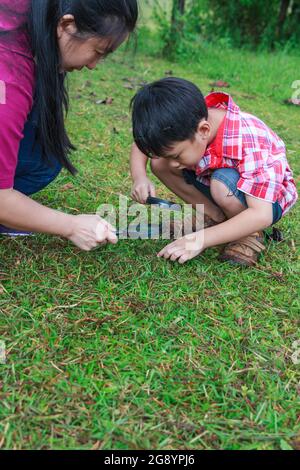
x,y
185,248
142,189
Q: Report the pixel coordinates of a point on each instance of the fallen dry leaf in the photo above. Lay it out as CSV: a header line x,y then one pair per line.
x,y
67,187
220,84
249,97
296,443
128,86
107,101
96,446
294,102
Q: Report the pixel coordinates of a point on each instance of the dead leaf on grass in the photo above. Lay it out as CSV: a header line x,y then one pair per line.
x,y
292,102
249,97
67,187
220,84
296,443
97,321
128,86
97,445
106,101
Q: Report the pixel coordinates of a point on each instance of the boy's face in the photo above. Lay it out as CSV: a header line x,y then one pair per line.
x,y
188,153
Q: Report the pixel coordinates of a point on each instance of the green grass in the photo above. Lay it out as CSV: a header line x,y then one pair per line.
x,y
117,349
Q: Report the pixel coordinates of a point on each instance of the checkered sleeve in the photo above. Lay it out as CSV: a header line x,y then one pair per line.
x,y
262,177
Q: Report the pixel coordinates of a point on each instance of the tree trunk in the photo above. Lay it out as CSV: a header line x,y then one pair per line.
x,y
178,7
295,20
284,6
181,6
176,26
296,11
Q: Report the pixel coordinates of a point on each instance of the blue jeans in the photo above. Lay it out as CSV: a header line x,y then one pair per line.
x,y
33,174
229,177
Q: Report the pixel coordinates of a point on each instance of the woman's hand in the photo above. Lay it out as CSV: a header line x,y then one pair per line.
x,y
90,231
185,248
142,189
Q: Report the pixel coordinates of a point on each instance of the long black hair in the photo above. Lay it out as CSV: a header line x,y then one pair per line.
x,y
113,19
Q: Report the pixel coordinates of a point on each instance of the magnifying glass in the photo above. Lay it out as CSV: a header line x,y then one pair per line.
x,y
141,231
150,231
163,204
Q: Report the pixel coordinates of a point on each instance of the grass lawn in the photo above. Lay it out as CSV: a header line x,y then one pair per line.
x,y
117,349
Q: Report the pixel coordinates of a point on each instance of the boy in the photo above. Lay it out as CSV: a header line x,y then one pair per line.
x,y
209,152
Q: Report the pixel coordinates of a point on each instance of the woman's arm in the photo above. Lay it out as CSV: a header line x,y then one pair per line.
x,y
22,213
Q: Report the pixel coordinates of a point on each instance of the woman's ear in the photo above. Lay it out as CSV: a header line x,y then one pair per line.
x,y
66,25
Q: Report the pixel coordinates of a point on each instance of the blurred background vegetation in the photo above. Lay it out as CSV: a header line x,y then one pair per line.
x,y
116,350
270,25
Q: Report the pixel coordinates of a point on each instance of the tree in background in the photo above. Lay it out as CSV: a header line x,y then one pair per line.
x,y
262,24
177,23
256,22
288,25
285,4
172,30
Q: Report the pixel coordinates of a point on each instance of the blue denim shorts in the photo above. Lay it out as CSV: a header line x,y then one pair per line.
x,y
229,177
33,173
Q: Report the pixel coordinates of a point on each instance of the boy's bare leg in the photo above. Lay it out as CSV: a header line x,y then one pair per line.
x,y
229,204
173,179
246,251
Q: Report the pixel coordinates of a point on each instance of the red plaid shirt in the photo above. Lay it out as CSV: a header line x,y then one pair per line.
x,y
247,144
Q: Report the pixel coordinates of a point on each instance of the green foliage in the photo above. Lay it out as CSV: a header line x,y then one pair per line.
x,y
171,27
256,24
116,349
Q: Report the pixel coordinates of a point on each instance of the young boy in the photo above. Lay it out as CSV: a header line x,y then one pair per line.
x,y
208,152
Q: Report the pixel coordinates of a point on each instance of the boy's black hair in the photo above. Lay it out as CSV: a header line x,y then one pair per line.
x,y
166,112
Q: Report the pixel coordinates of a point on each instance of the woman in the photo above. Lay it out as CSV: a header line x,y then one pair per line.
x,y
40,41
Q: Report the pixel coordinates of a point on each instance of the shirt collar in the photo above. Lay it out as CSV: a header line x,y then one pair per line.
x,y
229,133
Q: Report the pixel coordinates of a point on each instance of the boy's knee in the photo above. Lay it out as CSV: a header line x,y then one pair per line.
x,y
217,190
162,166
158,166
222,195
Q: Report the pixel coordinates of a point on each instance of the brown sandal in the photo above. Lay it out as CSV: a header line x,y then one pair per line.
x,y
246,251
176,228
